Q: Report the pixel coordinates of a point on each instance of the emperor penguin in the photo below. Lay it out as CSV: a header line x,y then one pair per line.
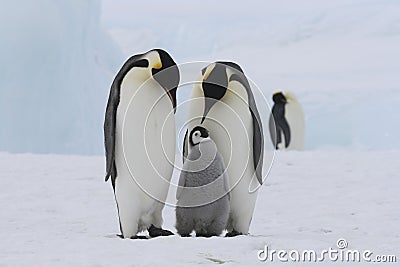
x,y
223,102
286,122
139,132
203,192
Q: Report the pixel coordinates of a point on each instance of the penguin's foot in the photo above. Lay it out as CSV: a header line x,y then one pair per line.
x,y
204,235
134,237
155,232
186,235
233,233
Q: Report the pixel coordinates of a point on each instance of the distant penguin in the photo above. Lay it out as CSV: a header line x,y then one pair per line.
x,y
139,132
223,102
278,124
286,123
203,195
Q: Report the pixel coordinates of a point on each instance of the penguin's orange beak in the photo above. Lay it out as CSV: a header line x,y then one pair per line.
x,y
172,96
209,102
157,66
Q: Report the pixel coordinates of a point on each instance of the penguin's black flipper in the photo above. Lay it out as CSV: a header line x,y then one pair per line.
x,y
111,114
258,136
185,146
109,132
258,142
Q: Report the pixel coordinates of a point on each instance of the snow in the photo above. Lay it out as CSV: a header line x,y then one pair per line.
x,y
57,211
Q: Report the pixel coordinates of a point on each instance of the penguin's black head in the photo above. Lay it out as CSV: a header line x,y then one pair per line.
x,y
197,135
279,98
215,82
214,85
166,73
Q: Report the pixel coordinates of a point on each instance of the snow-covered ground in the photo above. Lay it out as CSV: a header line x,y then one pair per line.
x,y
57,211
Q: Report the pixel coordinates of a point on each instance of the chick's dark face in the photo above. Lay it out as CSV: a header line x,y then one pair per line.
x,y
197,134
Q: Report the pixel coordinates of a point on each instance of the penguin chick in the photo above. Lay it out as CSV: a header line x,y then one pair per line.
x,y
203,192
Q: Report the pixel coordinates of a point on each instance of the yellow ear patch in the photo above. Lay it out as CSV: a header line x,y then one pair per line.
x,y
277,92
208,71
157,66
290,96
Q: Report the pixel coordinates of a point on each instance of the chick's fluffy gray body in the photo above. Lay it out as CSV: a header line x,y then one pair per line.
x,y
203,198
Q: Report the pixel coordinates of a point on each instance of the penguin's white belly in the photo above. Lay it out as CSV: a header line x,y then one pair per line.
x,y
144,156
231,128
236,147
295,118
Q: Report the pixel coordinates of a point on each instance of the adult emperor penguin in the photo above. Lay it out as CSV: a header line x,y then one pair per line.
x,y
278,124
223,102
139,132
286,122
203,195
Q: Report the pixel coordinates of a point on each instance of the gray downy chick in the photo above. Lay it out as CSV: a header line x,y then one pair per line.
x,y
203,192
